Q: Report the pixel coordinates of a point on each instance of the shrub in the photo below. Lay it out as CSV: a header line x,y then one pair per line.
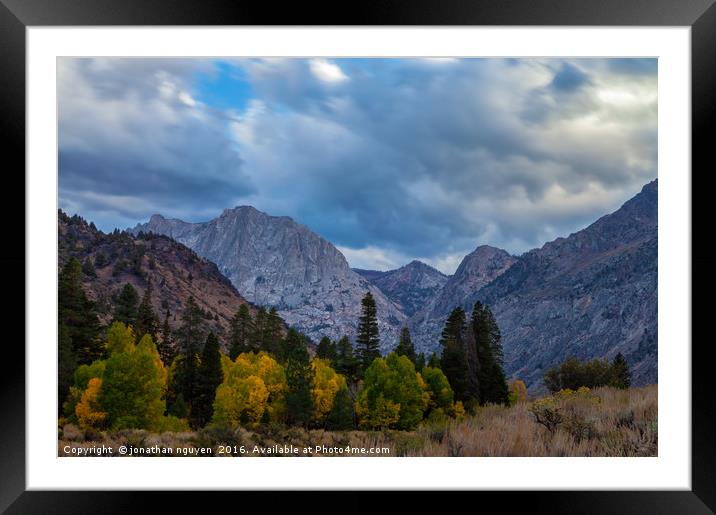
x,y
72,433
517,392
547,413
214,435
574,373
172,424
405,443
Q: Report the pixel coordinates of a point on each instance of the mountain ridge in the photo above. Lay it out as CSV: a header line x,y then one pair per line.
x,y
590,294
175,271
275,261
409,286
477,269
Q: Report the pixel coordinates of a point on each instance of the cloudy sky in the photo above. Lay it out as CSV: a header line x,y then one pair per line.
x,y
389,159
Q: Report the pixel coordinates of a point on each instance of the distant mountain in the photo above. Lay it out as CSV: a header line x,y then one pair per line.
x,y
274,261
476,270
409,286
176,273
592,294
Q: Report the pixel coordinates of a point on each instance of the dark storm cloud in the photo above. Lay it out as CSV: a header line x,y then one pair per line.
x,y
130,129
390,159
419,157
569,78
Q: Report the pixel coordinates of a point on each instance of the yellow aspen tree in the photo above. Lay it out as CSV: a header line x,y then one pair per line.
x,y
253,387
326,383
87,410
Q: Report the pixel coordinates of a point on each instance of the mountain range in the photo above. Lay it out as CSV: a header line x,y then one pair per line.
x,y
274,261
590,294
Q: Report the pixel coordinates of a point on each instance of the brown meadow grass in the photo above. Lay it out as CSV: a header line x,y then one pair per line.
x,y
601,422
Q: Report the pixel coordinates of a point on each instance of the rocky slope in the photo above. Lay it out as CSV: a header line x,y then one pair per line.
x,y
274,261
592,294
176,272
476,270
409,286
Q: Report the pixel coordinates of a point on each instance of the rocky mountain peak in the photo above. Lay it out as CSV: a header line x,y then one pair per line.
x,y
591,294
274,261
409,286
476,270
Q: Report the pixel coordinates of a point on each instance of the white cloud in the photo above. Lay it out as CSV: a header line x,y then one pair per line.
x,y
134,140
372,258
447,263
327,71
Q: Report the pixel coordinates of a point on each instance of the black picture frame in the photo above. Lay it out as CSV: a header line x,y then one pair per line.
x,y
17,15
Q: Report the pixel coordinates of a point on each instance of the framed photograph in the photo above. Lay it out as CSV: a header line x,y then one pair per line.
x,y
429,236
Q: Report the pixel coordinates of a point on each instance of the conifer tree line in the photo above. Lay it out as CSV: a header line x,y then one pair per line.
x,y
144,374
472,356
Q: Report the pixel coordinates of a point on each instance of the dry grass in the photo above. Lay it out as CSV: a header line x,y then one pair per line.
x,y
607,422
604,422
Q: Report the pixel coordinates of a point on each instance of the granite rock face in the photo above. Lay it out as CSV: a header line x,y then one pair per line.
x,y
410,286
274,261
476,270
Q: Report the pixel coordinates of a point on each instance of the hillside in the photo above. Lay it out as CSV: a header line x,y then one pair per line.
x,y
175,271
591,294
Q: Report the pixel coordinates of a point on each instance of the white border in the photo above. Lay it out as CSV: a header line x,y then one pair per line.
x,y
671,469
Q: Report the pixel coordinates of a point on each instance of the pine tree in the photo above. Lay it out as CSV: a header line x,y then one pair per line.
x,y
341,417
146,322
100,260
368,338
242,330
324,348
190,338
420,361
299,402
88,268
165,347
453,360
405,345
257,337
620,372
77,313
66,364
125,309
272,333
209,377
491,376
346,363
434,361
472,394
333,353
179,408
